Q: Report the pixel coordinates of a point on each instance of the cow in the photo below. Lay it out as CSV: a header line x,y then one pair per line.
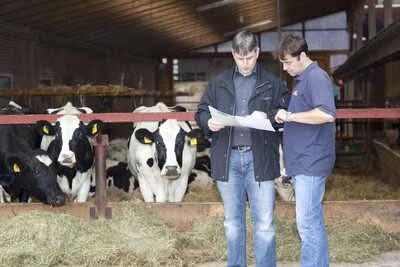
x,y
283,184
120,181
25,169
201,173
69,143
162,155
117,149
4,196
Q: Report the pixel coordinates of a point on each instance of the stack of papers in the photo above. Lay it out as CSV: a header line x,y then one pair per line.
x,y
229,120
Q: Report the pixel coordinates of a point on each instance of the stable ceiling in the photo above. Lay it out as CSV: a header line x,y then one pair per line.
x,y
158,28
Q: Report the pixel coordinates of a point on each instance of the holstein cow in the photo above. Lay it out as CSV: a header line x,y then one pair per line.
x,y
162,156
283,184
119,180
117,149
69,144
201,173
24,168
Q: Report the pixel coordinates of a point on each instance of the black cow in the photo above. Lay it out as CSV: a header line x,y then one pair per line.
x,y
24,168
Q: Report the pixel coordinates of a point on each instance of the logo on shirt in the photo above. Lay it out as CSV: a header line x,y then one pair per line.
x,y
295,93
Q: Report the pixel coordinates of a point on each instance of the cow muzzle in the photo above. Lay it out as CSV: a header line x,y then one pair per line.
x,y
171,172
67,159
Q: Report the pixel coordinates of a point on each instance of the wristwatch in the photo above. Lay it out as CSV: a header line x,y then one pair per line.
x,y
287,116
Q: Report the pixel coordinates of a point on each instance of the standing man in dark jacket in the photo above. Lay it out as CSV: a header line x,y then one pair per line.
x,y
245,161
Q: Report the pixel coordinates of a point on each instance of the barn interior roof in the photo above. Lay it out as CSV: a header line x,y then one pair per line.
x,y
159,28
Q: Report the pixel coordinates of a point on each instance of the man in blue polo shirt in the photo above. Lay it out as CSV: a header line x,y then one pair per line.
x,y
308,144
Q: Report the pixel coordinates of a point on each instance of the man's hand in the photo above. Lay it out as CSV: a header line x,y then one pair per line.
x,y
258,115
280,116
214,125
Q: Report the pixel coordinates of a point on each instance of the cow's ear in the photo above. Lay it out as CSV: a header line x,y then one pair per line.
x,y
195,136
45,127
15,164
144,136
94,127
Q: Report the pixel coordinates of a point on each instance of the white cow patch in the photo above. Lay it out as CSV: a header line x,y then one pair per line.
x,y
68,124
44,159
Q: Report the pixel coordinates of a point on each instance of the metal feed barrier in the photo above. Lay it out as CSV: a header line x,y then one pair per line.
x,y
101,209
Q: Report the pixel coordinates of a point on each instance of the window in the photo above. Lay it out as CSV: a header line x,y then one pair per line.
x,y
6,81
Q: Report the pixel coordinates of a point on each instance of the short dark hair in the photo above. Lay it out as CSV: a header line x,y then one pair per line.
x,y
292,44
244,42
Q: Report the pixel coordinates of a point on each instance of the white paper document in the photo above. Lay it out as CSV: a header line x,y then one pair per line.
x,y
230,120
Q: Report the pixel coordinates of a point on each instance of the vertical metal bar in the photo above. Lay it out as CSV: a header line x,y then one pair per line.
x,y
100,144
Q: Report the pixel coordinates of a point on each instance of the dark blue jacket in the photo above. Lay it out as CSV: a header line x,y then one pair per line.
x,y
269,95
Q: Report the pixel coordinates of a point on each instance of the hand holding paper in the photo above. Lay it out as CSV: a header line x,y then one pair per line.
x,y
229,120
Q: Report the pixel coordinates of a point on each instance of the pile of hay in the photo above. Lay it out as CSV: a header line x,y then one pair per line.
x,y
345,183
136,237
358,183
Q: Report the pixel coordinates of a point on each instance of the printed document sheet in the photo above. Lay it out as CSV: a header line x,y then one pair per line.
x,y
230,120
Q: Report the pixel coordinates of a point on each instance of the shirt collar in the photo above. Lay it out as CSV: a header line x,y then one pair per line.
x,y
253,72
305,72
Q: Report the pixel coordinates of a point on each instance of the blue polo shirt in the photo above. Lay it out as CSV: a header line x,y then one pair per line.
x,y
310,149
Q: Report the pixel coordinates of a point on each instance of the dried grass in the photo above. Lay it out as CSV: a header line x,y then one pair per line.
x,y
358,183
345,183
136,237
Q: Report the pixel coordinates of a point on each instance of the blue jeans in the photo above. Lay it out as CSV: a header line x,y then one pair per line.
x,y
261,197
309,193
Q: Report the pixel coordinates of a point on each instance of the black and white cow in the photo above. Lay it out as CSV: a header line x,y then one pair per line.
x,y
201,173
117,149
162,156
283,184
24,168
120,181
69,143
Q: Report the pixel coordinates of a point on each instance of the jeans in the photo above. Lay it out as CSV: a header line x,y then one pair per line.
x,y
309,192
261,196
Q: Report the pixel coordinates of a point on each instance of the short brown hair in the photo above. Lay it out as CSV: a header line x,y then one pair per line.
x,y
291,44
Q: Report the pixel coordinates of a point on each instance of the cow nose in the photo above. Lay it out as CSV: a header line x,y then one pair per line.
x,y
56,200
66,158
171,170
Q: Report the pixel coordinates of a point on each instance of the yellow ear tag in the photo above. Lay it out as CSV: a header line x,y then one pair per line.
x,y
16,168
193,141
147,140
46,129
94,128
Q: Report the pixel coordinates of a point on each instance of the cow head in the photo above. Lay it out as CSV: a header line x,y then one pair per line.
x,y
70,142
69,109
36,174
169,142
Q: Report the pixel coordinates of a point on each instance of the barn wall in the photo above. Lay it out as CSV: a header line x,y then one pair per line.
x,y
30,56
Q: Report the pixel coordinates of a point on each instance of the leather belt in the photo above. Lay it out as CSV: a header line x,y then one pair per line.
x,y
241,148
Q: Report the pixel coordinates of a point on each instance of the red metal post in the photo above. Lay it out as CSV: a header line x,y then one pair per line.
x,y
102,211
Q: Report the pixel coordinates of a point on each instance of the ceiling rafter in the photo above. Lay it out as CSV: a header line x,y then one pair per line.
x,y
156,28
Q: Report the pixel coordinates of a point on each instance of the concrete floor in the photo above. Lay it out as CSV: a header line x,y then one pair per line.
x,y
388,259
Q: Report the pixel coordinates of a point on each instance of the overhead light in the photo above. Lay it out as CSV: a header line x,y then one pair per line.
x,y
255,25
215,5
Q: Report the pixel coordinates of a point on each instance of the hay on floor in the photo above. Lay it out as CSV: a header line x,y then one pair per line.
x,y
136,237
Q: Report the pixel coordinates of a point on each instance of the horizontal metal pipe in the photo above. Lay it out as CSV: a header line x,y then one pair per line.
x,y
363,113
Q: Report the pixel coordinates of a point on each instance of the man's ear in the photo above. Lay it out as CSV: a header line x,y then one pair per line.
x,y
303,56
